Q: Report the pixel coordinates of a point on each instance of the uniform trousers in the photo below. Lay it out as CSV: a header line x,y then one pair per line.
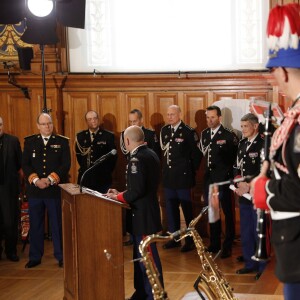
x,y
291,291
248,222
37,208
9,218
175,198
143,288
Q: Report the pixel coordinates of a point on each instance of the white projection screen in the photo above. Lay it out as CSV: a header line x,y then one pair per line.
x,y
141,36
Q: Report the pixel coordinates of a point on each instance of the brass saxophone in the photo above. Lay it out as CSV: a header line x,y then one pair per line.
x,y
211,281
157,289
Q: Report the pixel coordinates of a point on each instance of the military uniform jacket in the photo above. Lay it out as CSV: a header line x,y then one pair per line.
x,y
87,152
150,140
220,153
43,160
284,196
142,180
180,156
248,161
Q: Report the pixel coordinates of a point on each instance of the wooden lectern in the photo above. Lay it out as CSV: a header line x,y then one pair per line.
x,y
92,246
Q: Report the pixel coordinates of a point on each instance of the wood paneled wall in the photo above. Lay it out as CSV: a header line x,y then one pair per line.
x,y
113,96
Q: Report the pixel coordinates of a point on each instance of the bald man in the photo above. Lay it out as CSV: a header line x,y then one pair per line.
x,y
143,172
181,158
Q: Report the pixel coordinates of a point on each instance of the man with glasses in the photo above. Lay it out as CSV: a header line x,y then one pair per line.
x,y
279,192
46,163
91,144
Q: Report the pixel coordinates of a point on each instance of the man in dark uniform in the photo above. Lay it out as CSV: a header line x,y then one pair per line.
x,y
181,159
248,163
46,163
280,193
142,178
91,144
136,118
10,164
219,146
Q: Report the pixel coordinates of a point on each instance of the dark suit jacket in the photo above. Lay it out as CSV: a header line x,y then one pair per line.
x,y
220,153
102,144
181,158
43,160
142,182
12,159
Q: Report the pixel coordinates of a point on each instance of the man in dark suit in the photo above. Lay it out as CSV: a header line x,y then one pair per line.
x,y
10,164
91,144
46,163
136,118
181,159
219,146
142,178
248,163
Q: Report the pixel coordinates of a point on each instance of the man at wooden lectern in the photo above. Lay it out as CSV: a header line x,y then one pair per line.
x,y
46,163
142,182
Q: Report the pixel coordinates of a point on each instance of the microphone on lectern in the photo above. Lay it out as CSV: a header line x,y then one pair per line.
x,y
97,162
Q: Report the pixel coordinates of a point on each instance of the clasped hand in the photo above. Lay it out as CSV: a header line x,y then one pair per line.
x,y
43,183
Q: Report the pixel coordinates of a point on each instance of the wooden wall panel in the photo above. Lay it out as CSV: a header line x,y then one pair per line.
x,y
194,109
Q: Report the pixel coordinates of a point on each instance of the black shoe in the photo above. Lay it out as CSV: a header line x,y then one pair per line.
x,y
240,258
61,263
128,243
187,247
244,271
257,276
171,244
213,249
225,253
13,257
32,264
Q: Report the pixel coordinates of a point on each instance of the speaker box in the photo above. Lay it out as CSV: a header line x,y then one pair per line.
x,y
25,56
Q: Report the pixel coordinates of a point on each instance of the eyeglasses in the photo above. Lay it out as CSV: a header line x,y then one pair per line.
x,y
46,124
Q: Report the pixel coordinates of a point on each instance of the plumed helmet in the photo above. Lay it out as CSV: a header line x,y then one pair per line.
x,y
283,33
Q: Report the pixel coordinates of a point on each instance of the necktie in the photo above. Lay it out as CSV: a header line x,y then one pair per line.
x,y
212,134
172,130
248,144
93,136
45,141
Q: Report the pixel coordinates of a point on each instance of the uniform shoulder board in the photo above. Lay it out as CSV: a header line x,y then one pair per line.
x,y
107,131
29,136
166,126
189,127
242,141
62,136
149,129
81,132
228,129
